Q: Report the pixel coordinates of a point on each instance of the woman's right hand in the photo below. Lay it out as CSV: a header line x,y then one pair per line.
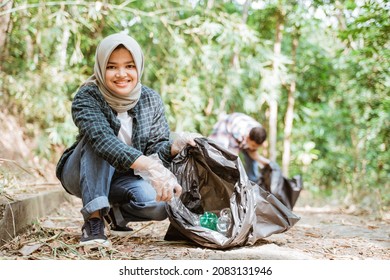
x,y
162,180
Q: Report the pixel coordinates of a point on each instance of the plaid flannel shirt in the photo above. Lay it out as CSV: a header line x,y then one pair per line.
x,y
98,124
231,130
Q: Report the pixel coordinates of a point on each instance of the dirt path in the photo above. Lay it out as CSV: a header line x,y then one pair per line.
x,y
320,234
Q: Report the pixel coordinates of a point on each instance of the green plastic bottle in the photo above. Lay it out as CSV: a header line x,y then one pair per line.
x,y
209,220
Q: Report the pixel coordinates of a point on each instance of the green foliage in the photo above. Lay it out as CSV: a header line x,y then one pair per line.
x,y
349,108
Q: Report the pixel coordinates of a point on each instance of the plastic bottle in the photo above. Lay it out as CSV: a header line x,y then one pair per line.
x,y
225,212
209,220
224,221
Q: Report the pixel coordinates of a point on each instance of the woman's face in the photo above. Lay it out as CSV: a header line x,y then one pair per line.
x,y
121,74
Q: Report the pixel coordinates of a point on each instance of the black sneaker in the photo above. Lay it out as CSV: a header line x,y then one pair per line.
x,y
93,233
115,229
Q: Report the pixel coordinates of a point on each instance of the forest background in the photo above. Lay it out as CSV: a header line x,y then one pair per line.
x,y
314,73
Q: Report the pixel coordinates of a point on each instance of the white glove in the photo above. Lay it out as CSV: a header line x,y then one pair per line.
x,y
161,179
181,139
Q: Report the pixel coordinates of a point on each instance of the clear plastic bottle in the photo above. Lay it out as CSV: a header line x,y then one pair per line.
x,y
224,221
225,212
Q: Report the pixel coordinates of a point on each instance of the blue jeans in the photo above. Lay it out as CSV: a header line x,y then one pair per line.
x,y
251,167
95,181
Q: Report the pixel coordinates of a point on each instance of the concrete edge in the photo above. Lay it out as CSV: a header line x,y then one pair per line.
x,y
15,216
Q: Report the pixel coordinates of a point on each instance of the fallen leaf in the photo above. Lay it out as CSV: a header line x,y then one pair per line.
x,y
29,249
372,227
312,234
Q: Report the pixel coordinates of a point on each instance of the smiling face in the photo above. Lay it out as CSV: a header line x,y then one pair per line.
x,y
121,75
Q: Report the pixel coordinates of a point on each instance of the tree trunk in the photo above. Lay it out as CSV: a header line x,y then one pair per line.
x,y
4,27
64,48
273,102
245,11
210,4
273,122
289,117
235,59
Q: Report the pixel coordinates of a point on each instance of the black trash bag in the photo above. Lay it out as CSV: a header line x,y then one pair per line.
x,y
272,216
286,190
213,179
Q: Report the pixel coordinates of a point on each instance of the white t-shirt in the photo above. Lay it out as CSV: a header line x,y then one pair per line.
x,y
126,129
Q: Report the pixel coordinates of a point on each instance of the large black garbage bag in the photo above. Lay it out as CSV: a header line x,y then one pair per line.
x,y
213,179
285,189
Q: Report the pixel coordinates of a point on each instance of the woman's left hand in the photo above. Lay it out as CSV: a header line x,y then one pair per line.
x,y
181,140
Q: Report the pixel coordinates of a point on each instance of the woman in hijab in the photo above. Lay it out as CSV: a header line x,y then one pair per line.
x,y
113,166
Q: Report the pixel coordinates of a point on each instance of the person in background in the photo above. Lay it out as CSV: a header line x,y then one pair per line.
x,y
118,164
241,134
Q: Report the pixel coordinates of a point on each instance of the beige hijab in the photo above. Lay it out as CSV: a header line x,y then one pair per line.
x,y
118,102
